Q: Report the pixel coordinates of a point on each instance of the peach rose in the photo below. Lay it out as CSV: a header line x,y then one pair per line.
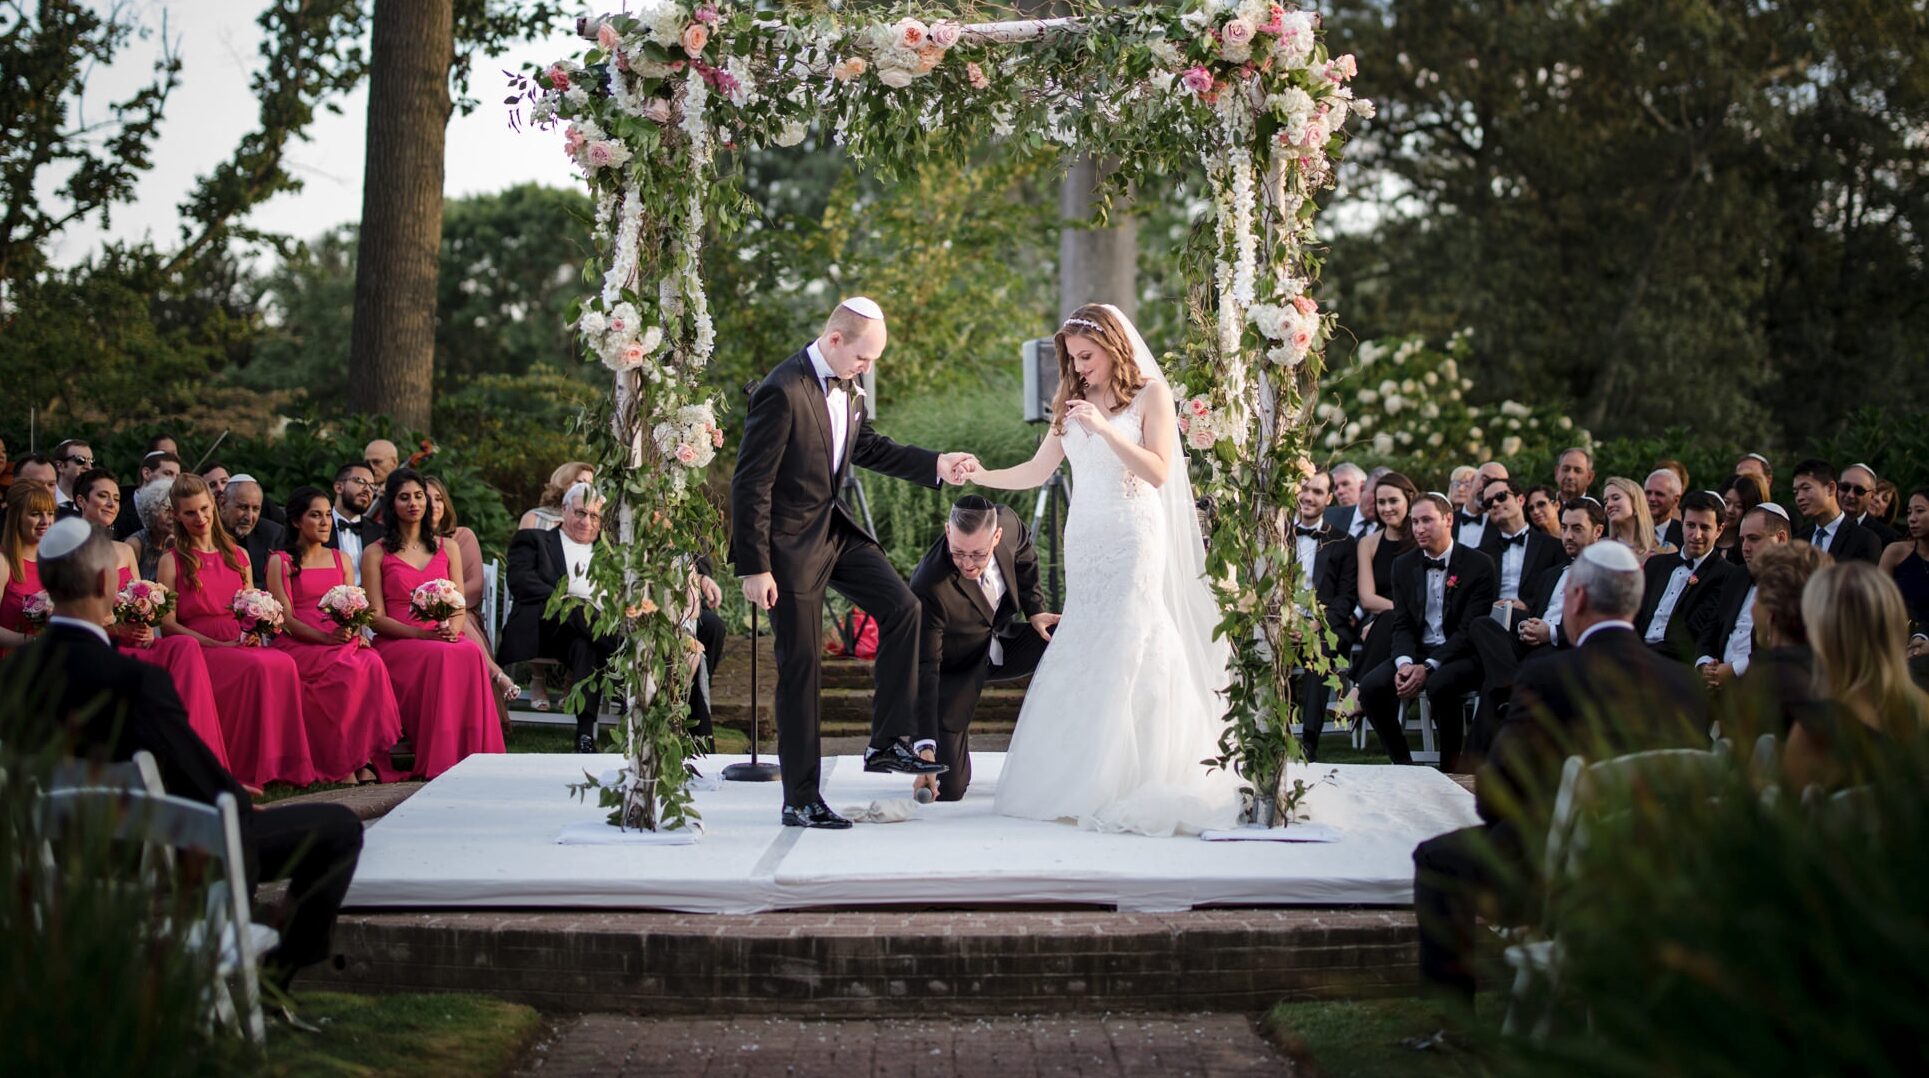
x,y
929,58
846,70
976,76
1305,304
607,38
695,37
911,34
686,453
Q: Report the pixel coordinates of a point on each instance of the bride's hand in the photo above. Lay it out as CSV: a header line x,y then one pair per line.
x,y
1086,415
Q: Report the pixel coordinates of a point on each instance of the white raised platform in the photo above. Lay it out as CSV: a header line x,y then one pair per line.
x,y
484,834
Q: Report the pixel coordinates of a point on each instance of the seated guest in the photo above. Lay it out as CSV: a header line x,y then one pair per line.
x,y
99,498
107,707
1393,496
1607,696
1908,563
30,512
350,530
1470,522
1779,686
1324,557
1728,648
155,536
1520,553
1544,509
71,458
541,560
1684,589
1439,588
1856,628
1361,518
1349,482
1628,520
1460,488
217,476
1501,651
984,619
257,689
1739,495
444,522
548,513
241,515
1757,465
37,469
440,674
1574,474
1854,490
1662,492
346,696
382,458
1882,504
158,464
1825,524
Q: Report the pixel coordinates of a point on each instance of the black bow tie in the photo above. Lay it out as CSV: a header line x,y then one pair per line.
x,y
848,385
1471,518
1302,529
1515,540
1433,564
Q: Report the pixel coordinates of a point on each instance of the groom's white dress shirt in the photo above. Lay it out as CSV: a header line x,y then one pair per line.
x,y
994,589
836,401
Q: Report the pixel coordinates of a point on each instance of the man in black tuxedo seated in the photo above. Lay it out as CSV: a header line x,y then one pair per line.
x,y
101,705
984,619
1827,525
1684,589
1606,696
1853,491
1325,558
241,513
1439,589
1535,626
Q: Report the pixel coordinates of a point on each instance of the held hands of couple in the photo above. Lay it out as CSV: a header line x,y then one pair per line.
x,y
957,469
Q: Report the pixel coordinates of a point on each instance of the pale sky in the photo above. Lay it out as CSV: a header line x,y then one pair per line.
x,y
213,108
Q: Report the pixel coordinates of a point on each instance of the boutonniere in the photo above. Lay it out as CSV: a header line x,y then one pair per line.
x,y
1453,582
1693,580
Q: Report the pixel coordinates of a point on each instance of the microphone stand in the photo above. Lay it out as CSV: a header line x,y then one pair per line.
x,y
754,769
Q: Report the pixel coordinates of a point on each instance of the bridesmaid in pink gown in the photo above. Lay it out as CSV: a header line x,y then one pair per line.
x,y
441,676
257,690
99,499
30,512
346,696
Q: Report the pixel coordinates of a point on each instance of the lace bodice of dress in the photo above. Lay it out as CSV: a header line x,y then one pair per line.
x,y
1115,521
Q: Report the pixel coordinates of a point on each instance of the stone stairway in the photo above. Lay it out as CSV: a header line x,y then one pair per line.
x,y
845,703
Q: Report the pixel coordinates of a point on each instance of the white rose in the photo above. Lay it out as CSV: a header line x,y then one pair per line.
x,y
592,323
1565,423
895,77
1509,446
1383,444
1367,396
791,135
1435,439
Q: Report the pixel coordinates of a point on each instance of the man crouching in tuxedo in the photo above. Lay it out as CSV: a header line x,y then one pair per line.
x,y
984,620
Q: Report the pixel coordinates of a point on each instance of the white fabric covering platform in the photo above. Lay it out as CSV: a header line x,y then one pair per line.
x,y
485,834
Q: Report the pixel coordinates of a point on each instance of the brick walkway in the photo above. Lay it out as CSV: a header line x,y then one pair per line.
x,y
1166,1046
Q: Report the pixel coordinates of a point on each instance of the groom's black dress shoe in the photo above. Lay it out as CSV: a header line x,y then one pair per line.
x,y
903,761
815,814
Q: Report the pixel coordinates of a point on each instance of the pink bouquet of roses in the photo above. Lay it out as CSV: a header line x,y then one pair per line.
x,y
257,612
347,606
143,604
437,600
36,608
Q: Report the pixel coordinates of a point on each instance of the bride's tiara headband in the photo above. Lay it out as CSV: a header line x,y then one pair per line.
x,y
1070,322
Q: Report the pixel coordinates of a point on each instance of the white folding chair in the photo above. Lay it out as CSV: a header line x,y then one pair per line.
x,y
140,773
491,602
226,928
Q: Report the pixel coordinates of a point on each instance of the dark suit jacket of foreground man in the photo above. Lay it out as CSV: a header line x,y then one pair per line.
x,y
954,650
105,706
1610,696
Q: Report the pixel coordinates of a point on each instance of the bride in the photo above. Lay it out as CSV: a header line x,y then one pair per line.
x,y
1126,703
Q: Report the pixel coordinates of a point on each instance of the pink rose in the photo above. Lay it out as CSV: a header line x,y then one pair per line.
x,y
1185,422
686,453
1237,31
607,38
695,37
658,109
572,141
1197,79
1200,437
911,34
1302,340
707,14
1305,304
929,58
945,35
716,437
1200,407
558,78
633,356
976,76
599,154
1276,23
1343,68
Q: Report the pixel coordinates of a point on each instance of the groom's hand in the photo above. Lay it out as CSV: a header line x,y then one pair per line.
x,y
760,590
1043,624
956,468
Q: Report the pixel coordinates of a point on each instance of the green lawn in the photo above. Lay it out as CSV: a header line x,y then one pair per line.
x,y
1378,1038
416,1035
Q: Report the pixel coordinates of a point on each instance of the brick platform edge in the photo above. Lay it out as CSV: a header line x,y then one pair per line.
x,y
865,964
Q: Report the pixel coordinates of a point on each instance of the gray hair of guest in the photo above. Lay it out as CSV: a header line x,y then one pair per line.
x,y
972,514
1376,474
578,493
150,500
1586,455
1615,594
1345,468
78,573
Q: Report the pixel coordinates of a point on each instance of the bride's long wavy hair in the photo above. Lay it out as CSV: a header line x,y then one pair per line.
x,y
1127,378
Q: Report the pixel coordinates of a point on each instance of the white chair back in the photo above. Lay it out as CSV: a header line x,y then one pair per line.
x,y
140,773
492,612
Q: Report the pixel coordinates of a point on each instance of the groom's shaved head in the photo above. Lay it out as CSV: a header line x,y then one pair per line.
x,y
852,341
848,320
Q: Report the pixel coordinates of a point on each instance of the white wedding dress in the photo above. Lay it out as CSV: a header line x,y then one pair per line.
x,y
1126,702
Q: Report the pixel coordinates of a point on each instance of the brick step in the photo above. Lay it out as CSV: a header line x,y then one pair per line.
x,y
848,711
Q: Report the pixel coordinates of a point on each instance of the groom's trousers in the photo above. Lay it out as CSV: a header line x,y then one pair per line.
x,y
958,691
860,572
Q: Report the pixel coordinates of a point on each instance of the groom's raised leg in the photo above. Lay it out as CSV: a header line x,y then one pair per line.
x,y
797,628
866,577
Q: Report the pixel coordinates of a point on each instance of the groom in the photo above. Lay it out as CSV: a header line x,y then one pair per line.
x,y
791,536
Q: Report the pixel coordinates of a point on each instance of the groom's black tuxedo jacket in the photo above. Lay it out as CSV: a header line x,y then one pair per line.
x,y
958,622
1471,587
784,498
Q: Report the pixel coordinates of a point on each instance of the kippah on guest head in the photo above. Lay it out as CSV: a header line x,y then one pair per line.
x,y
1773,509
1613,556
64,538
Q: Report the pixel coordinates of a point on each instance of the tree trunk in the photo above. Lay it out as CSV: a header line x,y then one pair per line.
x,y
1095,265
392,344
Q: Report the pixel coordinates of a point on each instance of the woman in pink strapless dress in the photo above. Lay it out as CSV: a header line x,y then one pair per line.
x,y
99,499
441,676
30,512
257,690
346,697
